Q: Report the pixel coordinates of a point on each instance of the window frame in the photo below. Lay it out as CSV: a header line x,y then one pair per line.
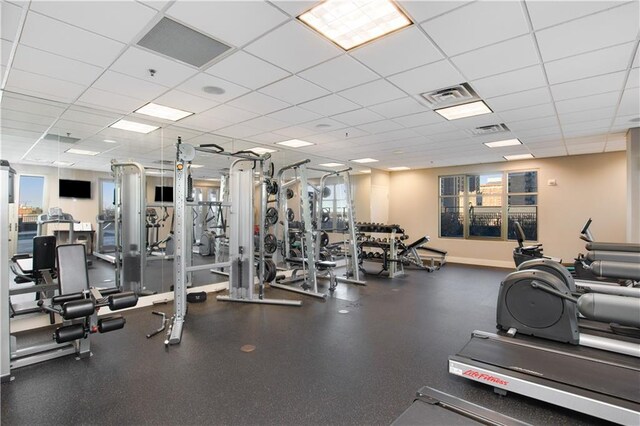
x,y
504,208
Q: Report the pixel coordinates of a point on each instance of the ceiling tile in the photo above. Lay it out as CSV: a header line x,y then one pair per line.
x,y
373,93
510,82
234,22
602,61
329,105
267,137
389,54
293,47
536,132
5,50
44,63
590,116
238,131
294,90
630,102
231,114
603,29
100,16
477,121
544,14
636,58
7,123
295,8
634,78
519,100
25,117
339,73
508,55
427,78
17,102
156,4
185,101
137,62
10,14
420,11
265,124
258,103
109,100
295,132
419,119
195,84
63,39
536,111
399,107
359,116
588,86
590,148
476,25
536,123
380,126
128,86
246,70
44,87
609,99
206,121
88,116
294,115
324,125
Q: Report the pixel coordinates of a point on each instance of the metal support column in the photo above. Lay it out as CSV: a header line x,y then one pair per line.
x,y
6,197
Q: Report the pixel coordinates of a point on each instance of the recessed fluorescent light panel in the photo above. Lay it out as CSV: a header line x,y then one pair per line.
x,y
350,23
196,166
109,141
133,126
331,165
164,112
261,151
518,157
398,169
63,163
294,143
465,110
81,152
506,142
365,160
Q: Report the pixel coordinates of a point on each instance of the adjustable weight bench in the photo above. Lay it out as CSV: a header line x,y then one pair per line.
x,y
409,254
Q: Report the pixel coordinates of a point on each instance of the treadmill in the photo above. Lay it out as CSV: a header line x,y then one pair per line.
x,y
595,382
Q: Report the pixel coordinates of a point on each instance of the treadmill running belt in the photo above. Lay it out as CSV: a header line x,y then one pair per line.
x,y
620,381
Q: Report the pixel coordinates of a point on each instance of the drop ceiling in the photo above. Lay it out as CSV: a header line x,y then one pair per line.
x,y
563,76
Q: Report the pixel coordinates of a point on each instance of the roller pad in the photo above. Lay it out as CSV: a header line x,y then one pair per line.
x,y
69,333
122,300
111,323
64,298
78,309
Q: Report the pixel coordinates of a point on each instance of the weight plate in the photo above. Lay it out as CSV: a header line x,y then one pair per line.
x,y
270,243
290,215
271,216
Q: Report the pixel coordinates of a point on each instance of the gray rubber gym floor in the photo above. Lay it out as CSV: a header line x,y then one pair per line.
x,y
312,364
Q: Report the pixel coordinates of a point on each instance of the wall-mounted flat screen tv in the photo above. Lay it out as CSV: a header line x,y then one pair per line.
x,y
164,194
74,188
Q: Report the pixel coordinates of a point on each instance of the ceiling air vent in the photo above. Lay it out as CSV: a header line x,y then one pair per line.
x,y
57,138
460,94
182,43
489,130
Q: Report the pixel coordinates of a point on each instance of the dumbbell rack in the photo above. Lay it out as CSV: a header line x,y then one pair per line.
x,y
391,264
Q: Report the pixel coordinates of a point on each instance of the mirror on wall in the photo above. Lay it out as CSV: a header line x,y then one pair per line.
x,y
63,157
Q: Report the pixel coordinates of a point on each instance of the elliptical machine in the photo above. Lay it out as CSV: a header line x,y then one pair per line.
x,y
540,299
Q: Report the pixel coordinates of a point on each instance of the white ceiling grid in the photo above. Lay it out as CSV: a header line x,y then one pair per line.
x,y
562,75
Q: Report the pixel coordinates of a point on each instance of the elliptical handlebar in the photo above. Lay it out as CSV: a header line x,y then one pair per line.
x,y
586,234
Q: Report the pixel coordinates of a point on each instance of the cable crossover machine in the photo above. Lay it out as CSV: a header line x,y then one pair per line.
x,y
242,258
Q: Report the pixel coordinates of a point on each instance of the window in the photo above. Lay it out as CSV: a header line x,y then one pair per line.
x,y
474,206
522,199
30,205
107,209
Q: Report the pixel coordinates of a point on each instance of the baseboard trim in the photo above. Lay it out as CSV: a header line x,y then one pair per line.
x,y
481,262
